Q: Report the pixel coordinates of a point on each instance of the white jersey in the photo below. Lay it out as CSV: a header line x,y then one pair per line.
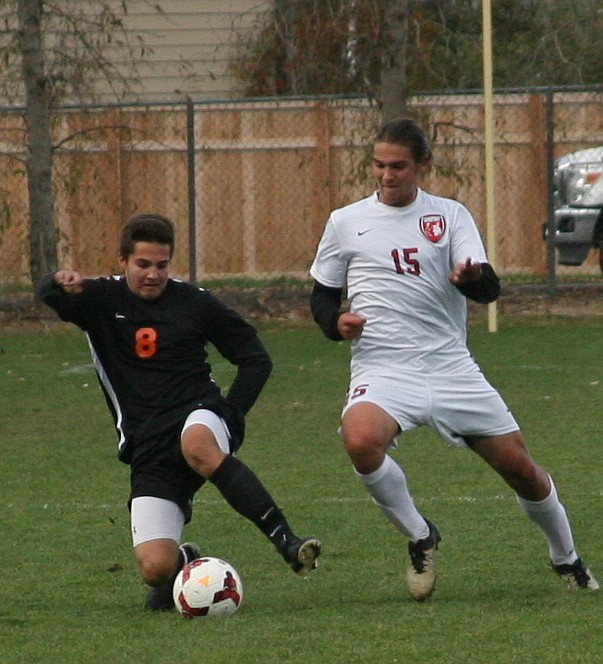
x,y
395,262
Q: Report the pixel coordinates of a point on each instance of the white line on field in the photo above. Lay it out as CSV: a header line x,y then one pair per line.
x,y
77,369
316,501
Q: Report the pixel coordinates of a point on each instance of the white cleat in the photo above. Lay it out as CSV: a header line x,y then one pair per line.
x,y
421,573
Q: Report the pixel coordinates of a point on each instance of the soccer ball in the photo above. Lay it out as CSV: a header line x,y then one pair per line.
x,y
207,587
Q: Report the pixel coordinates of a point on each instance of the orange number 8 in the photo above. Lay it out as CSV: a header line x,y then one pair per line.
x,y
146,342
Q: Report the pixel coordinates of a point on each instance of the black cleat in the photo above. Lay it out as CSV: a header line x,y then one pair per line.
x,y
161,598
577,575
190,552
300,553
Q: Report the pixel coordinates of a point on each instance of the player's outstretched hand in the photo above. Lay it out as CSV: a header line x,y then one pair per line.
x,y
466,272
69,281
350,325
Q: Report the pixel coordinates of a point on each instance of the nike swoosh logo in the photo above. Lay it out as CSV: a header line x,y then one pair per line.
x,y
119,316
363,232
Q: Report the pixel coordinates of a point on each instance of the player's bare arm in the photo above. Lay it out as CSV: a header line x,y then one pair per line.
x,y
70,281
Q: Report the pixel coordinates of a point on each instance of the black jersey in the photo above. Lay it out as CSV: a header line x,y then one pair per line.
x,y
151,355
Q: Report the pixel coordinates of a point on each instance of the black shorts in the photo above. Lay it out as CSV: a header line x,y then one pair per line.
x,y
158,467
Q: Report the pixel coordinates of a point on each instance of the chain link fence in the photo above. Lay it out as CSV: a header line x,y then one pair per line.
x,y
250,184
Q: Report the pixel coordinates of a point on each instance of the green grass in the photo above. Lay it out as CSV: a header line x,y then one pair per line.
x,y
70,592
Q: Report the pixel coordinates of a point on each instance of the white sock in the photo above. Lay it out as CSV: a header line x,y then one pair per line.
x,y
389,490
551,517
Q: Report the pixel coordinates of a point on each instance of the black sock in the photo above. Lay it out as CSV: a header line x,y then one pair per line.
x,y
244,492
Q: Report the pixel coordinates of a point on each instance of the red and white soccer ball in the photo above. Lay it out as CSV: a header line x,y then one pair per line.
x,y
207,587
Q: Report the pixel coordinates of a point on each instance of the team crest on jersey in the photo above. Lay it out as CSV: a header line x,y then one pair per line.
x,y
433,226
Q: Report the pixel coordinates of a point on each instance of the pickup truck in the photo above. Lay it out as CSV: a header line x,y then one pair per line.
x,y
578,199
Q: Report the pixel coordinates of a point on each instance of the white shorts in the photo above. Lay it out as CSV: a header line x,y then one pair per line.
x,y
454,406
157,518
214,423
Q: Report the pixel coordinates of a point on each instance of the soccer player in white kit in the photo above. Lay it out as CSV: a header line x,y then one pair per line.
x,y
407,261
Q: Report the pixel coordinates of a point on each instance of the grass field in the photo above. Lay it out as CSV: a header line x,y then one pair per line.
x,y
70,593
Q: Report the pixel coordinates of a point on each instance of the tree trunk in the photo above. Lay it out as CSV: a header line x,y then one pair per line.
x,y
287,14
42,234
393,67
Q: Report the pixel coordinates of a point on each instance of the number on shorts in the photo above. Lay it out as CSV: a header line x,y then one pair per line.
x,y
359,391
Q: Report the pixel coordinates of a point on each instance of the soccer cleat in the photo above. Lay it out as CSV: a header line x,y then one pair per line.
x,y
577,575
160,598
190,551
421,574
300,553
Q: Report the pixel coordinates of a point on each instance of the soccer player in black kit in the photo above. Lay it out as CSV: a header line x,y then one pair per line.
x,y
148,336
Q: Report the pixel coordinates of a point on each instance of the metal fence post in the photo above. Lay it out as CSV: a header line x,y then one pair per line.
x,y
550,167
192,191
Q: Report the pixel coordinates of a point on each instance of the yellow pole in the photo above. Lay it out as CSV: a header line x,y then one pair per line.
x,y
489,151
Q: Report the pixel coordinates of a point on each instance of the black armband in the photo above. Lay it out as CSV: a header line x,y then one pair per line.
x,y
325,303
486,289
